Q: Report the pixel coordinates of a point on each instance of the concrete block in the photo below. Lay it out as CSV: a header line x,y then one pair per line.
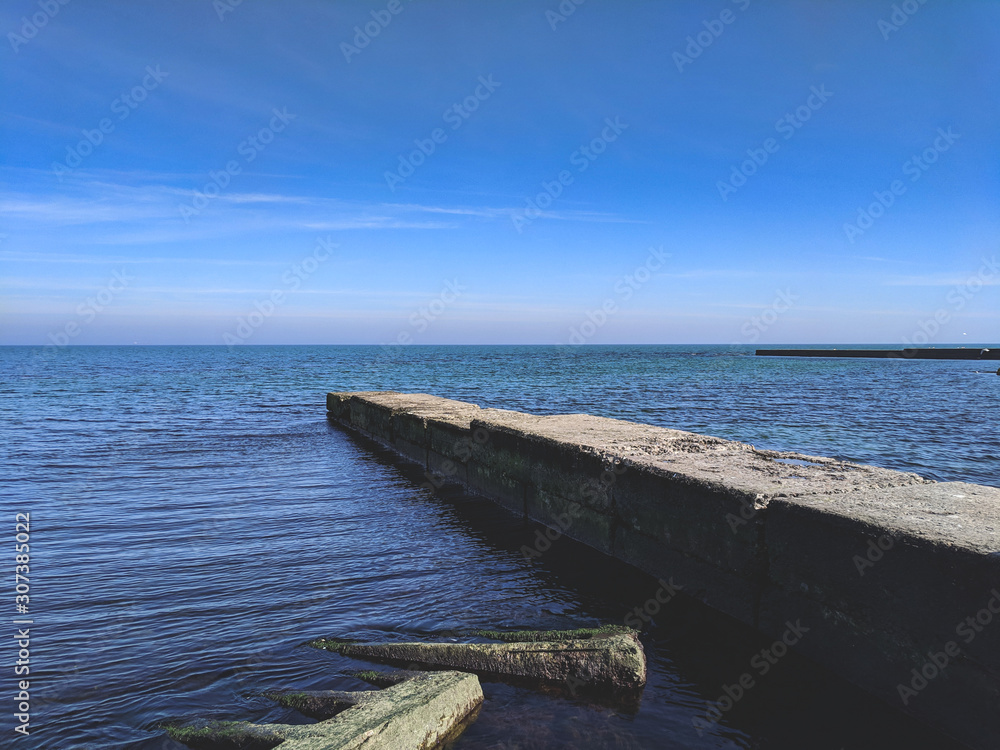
x,y
446,470
611,660
410,428
449,440
418,713
728,592
336,404
497,486
571,518
705,498
920,560
371,418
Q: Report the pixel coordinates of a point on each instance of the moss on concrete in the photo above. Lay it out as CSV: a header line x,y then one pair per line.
x,y
385,679
331,644
318,704
532,636
225,735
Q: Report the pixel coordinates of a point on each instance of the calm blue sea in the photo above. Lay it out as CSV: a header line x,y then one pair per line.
x,y
194,520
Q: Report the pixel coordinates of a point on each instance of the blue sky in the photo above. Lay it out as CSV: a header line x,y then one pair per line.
x,y
663,230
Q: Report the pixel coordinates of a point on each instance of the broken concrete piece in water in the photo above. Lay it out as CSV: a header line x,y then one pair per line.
x,y
385,679
419,713
595,659
319,704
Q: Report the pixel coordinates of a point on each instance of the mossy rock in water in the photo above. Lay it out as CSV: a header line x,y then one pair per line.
x,y
421,712
604,658
225,735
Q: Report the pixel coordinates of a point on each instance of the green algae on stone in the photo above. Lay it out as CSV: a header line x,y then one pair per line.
x,y
225,735
318,704
331,644
385,679
532,636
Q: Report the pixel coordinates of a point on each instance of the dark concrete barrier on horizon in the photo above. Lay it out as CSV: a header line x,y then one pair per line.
x,y
973,353
896,578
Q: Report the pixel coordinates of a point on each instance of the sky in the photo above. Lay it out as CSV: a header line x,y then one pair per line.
x,y
424,172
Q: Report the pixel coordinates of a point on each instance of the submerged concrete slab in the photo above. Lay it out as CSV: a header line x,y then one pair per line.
x,y
767,537
419,713
604,661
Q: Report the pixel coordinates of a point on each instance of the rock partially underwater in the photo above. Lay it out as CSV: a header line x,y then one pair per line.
x,y
418,712
608,659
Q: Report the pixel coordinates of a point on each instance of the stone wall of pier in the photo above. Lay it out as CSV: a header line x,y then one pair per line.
x,y
896,578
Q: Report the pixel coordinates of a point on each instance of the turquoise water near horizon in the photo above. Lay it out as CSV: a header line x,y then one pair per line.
x,y
195,520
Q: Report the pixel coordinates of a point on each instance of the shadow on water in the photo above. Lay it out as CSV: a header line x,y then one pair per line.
x,y
693,653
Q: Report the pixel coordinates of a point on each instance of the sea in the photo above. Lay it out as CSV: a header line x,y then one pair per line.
x,y
194,520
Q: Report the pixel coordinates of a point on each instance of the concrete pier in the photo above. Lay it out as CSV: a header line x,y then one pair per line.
x,y
887,579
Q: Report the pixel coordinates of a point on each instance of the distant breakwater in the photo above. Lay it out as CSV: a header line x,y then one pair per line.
x,y
975,353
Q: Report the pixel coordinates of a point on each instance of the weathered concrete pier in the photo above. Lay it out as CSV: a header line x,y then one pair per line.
x,y
892,581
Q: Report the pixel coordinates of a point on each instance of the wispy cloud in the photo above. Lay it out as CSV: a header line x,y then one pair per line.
x,y
107,260
944,280
142,212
